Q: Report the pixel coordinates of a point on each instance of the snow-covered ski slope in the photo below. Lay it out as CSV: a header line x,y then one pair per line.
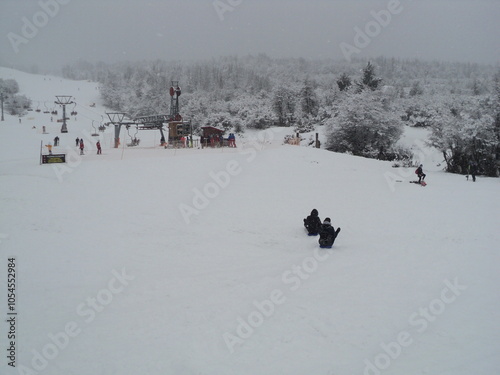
x,y
148,260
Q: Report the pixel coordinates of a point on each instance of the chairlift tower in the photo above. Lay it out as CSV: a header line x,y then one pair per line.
x,y
175,92
64,100
116,118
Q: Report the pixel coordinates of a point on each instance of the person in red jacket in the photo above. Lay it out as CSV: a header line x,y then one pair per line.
x,y
82,146
98,145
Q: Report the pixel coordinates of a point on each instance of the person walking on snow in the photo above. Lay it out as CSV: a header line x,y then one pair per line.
x,y
77,141
472,169
420,173
312,223
98,145
82,146
327,234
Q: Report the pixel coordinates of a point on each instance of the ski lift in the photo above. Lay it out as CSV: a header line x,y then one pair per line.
x,y
94,134
46,109
134,141
102,126
73,112
38,108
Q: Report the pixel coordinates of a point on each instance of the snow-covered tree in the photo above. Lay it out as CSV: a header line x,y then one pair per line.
x,y
364,126
465,134
283,104
17,105
308,100
9,86
416,89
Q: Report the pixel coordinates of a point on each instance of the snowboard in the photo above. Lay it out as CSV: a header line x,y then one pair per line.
x,y
423,183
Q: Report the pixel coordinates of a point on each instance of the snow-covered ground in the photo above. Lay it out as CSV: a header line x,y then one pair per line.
x,y
145,260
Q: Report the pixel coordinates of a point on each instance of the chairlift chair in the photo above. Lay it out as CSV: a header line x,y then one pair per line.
x,y
134,141
94,134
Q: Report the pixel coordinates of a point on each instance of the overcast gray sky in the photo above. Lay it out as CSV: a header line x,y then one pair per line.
x,y
54,32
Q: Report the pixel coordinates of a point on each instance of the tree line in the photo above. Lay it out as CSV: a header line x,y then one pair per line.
x,y
363,104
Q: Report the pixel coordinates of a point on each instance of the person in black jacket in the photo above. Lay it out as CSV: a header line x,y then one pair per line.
x,y
312,223
327,234
420,173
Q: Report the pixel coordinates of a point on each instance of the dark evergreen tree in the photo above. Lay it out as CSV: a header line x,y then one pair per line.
x,y
283,104
344,82
308,100
416,89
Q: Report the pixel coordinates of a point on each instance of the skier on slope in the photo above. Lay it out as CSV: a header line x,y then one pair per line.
x,y
327,234
420,173
312,223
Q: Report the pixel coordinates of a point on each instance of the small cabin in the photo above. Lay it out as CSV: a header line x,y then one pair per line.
x,y
209,131
212,137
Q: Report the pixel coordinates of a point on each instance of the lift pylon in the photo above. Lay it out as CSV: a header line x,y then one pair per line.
x,y
64,100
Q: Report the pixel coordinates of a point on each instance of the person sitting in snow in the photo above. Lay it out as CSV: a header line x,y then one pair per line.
x,y
312,223
420,173
327,234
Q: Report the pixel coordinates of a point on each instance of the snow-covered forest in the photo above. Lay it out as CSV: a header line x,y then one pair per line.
x,y
458,102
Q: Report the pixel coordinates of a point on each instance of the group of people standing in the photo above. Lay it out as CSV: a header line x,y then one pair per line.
x,y
327,233
215,140
80,144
